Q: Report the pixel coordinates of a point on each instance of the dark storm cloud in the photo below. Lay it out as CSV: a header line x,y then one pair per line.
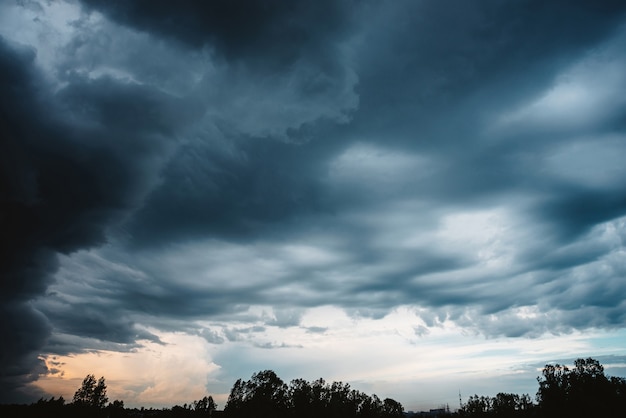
x,y
433,57
72,162
575,211
275,32
240,193
25,269
451,68
225,154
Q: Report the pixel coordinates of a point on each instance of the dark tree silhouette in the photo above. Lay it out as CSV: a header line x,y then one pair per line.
x,y
236,399
265,395
92,393
477,406
501,405
582,391
579,392
302,398
116,409
205,406
392,408
505,403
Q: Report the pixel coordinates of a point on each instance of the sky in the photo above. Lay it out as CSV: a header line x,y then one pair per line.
x,y
419,198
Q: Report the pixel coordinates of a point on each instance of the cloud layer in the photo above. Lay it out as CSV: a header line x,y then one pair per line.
x,y
222,170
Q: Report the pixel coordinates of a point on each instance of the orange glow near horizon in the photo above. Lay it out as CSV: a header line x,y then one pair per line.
x,y
154,375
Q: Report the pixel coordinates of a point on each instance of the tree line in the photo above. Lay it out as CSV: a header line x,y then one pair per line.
x,y
581,391
266,395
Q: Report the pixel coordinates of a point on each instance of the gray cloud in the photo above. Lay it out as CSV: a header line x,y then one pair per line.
x,y
241,31
65,181
185,161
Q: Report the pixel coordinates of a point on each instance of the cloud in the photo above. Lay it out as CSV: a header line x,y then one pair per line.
x,y
187,359
264,176
256,31
64,181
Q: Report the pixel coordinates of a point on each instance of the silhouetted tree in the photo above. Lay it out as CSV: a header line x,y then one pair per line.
x,y
116,409
339,402
265,395
205,406
578,392
525,403
302,399
392,408
319,395
43,407
476,406
582,391
236,402
371,406
92,393
618,393
269,394
501,405
505,404
554,388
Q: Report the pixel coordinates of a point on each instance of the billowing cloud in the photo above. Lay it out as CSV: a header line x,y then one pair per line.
x,y
246,177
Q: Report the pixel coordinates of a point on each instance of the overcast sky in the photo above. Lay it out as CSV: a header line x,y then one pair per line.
x,y
414,197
